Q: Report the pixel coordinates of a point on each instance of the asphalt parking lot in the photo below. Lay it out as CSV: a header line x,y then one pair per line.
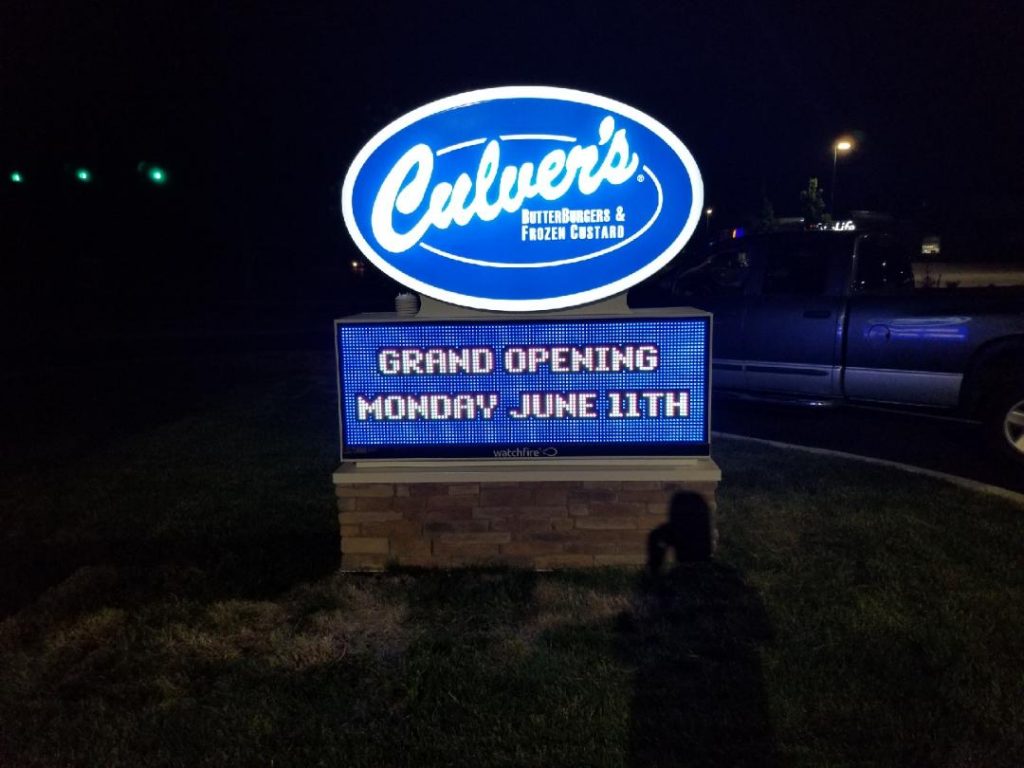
x,y
946,445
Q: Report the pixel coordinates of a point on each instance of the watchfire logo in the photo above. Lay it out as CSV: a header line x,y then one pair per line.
x,y
524,452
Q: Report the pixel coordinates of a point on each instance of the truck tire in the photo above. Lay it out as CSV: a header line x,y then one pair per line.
x,y
1004,420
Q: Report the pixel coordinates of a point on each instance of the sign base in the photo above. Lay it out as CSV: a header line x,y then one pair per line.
x,y
540,515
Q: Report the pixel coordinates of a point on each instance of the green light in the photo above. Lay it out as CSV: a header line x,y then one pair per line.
x,y
157,175
83,175
17,178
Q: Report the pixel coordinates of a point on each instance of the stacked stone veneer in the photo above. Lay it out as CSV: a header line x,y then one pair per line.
x,y
529,524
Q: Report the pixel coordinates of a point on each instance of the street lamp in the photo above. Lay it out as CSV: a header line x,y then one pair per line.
x,y
707,221
844,146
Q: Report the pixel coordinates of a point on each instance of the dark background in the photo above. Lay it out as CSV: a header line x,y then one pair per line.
x,y
256,110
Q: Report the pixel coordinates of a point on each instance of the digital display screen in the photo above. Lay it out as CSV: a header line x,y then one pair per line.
x,y
524,389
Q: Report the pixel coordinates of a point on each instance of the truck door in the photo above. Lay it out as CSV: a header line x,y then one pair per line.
x,y
902,346
718,285
792,341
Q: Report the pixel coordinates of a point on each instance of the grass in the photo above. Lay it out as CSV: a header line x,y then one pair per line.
x,y
171,599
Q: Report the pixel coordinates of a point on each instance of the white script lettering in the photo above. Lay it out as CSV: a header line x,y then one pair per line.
x,y
405,188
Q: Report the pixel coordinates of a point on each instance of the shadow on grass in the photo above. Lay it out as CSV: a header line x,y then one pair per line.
x,y
698,694
694,637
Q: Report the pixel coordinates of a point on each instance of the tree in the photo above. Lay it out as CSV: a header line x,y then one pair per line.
x,y
765,220
813,203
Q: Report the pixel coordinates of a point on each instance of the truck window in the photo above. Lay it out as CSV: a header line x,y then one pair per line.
x,y
883,265
722,274
794,269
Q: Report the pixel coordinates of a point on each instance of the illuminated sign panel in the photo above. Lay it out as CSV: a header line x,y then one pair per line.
x,y
524,388
522,198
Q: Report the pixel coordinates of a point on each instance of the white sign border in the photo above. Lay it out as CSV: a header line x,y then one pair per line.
x,y
520,92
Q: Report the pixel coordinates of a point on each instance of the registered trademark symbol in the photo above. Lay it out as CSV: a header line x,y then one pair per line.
x,y
640,177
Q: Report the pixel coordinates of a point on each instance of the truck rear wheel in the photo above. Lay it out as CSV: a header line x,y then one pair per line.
x,y
1005,420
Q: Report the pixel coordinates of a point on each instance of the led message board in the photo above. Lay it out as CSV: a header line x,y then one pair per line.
x,y
522,198
529,389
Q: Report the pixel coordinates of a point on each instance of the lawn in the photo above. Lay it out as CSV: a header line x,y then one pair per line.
x,y
171,598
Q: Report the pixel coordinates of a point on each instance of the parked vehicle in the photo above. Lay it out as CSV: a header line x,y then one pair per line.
x,y
834,317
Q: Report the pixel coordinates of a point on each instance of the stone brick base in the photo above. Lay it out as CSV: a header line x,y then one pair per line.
x,y
529,523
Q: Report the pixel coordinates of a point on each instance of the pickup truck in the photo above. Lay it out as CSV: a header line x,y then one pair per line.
x,y
822,317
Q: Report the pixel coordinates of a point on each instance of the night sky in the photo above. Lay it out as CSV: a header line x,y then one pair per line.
x,y
256,112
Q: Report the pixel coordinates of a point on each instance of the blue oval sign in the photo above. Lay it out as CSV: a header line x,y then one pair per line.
x,y
522,198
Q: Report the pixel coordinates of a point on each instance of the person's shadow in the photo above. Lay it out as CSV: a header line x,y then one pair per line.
x,y
694,636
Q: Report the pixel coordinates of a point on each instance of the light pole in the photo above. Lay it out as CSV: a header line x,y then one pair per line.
x,y
707,221
844,146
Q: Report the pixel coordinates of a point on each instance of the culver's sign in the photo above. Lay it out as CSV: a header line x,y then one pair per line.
x,y
522,198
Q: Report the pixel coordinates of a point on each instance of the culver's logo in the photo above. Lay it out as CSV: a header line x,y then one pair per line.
x,y
522,198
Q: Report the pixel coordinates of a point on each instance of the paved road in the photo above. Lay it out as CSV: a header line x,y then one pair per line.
x,y
943,445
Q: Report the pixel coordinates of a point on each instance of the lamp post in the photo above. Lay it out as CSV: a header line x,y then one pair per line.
x,y
707,221
844,146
